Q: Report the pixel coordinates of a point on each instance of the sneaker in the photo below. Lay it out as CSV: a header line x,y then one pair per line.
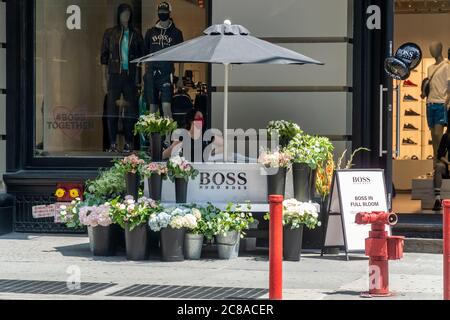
x,y
414,158
409,141
409,83
411,113
409,127
127,148
437,205
430,158
113,148
409,98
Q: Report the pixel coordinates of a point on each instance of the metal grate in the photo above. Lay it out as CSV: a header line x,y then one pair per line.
x,y
50,287
24,221
188,292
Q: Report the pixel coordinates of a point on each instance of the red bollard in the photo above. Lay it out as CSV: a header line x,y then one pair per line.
x,y
446,236
276,248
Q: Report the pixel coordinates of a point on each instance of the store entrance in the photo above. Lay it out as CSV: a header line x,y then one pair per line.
x,y
424,23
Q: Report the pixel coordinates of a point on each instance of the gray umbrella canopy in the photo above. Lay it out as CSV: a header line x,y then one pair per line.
x,y
228,44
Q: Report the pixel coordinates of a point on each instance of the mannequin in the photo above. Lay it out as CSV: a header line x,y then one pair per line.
x,y
437,114
159,75
436,102
121,45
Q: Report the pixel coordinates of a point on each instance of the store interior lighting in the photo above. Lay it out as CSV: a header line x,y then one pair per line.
x,y
422,6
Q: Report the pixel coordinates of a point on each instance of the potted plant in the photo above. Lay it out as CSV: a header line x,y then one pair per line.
x,y
276,165
155,173
180,171
284,130
171,223
109,185
296,215
306,152
131,167
133,216
231,225
155,126
99,220
194,238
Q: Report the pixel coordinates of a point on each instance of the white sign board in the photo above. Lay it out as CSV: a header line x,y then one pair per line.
x,y
354,191
226,182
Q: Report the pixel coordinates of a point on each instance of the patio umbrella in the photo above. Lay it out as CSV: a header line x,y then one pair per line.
x,y
228,44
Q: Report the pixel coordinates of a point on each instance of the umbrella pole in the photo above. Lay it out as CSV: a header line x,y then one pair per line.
x,y
225,115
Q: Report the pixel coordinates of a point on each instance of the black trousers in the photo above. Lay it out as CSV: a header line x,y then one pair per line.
x,y
122,84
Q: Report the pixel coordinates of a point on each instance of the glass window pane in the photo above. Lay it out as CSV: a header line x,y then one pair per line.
x,y
72,118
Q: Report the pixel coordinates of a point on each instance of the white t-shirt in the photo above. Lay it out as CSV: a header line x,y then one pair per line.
x,y
439,83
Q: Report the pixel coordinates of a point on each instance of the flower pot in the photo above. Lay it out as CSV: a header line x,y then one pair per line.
x,y
314,239
302,182
155,183
133,182
193,245
156,147
172,244
91,239
292,243
181,189
277,182
137,243
228,246
312,184
103,241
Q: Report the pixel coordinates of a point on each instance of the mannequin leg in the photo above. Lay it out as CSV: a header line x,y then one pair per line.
x,y
131,111
154,108
167,109
114,92
436,133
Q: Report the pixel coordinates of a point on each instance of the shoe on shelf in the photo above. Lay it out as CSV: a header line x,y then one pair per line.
x,y
113,148
409,141
430,158
409,83
406,158
409,98
414,158
437,205
409,127
127,148
411,113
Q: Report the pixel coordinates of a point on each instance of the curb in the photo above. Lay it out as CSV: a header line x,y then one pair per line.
x,y
414,245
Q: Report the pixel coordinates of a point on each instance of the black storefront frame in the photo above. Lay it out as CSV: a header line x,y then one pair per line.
x,y
21,96
34,177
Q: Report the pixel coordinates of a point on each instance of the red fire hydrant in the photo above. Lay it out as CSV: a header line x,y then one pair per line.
x,y
380,248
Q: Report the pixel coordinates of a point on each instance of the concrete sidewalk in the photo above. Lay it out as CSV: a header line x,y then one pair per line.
x,y
47,258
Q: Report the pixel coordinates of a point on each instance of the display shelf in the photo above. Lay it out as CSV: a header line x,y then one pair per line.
x,y
422,135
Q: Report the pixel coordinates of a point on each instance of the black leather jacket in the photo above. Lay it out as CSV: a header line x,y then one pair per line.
x,y
111,54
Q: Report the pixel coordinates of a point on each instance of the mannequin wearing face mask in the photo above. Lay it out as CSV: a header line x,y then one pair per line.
x,y
121,45
159,75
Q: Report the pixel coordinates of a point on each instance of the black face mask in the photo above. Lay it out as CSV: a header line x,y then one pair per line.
x,y
163,16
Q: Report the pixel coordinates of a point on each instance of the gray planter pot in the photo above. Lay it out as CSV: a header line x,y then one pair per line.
x,y
276,183
228,246
172,244
102,243
292,243
91,239
137,243
193,245
302,175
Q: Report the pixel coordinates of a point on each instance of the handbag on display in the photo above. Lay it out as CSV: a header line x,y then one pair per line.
x,y
426,83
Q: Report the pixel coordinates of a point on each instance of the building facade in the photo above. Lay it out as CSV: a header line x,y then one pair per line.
x,y
52,102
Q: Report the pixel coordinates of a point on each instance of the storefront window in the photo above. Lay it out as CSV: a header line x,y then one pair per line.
x,y
72,114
